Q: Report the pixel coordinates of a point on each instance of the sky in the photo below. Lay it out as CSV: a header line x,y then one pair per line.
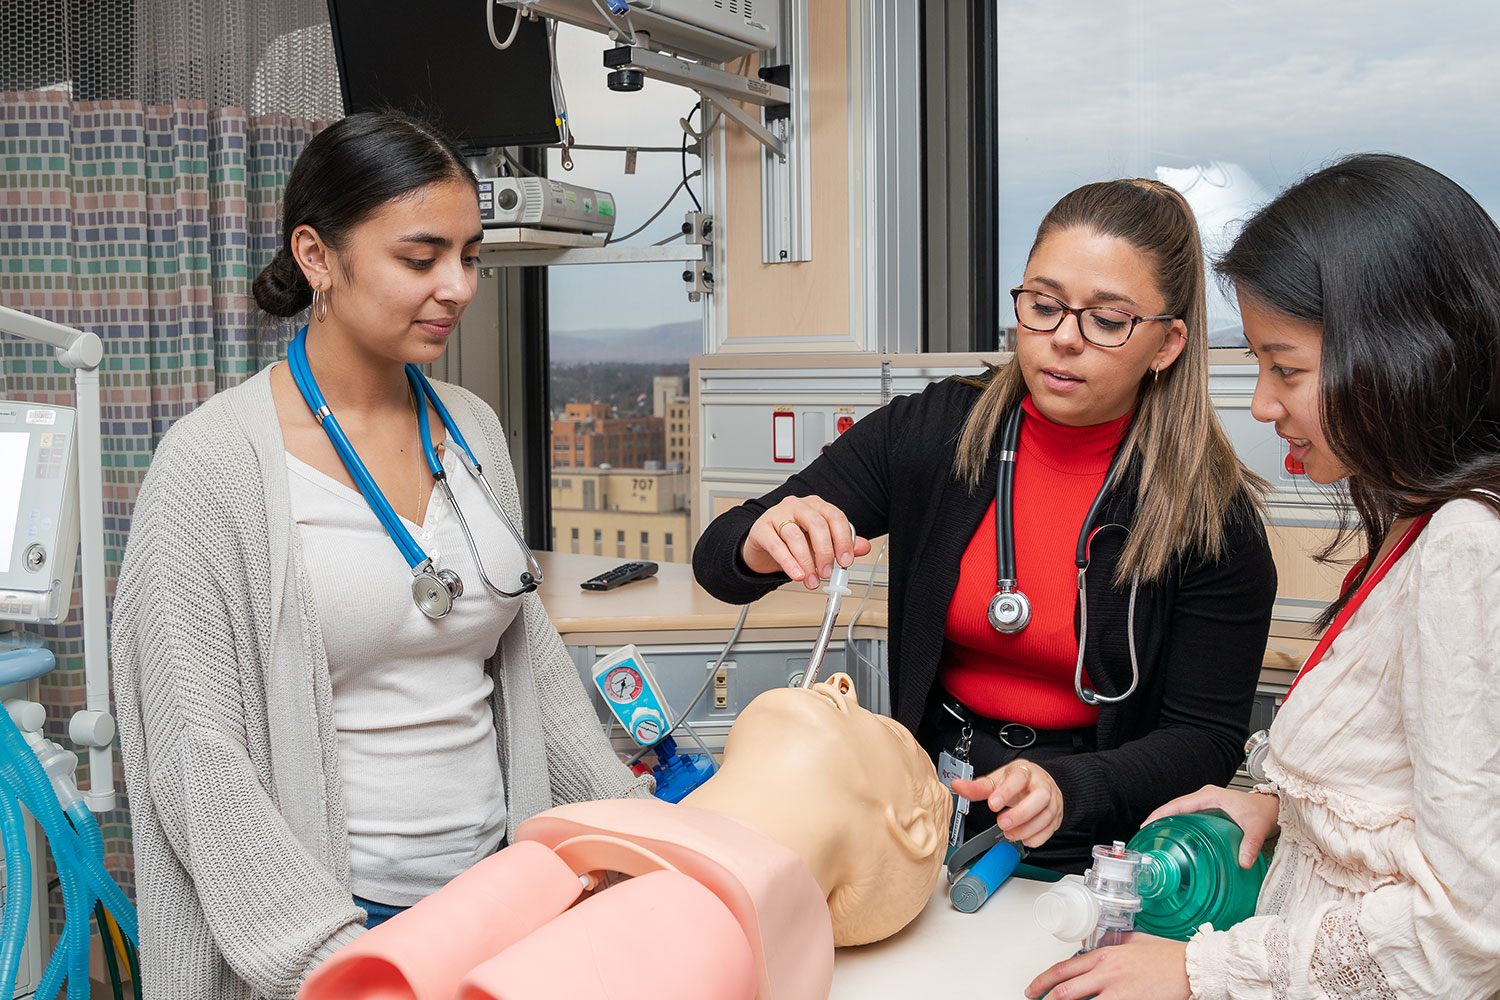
x,y
1264,91
602,296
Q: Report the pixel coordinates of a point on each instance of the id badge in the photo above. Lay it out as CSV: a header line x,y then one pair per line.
x,y
950,768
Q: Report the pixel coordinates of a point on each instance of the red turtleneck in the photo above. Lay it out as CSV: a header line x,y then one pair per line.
x,y
1028,676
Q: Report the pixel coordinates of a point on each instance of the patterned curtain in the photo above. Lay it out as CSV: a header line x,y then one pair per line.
x,y
146,225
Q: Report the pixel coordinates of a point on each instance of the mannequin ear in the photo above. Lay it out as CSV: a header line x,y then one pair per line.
x,y
916,830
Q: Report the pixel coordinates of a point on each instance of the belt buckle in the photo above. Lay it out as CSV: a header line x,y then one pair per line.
x,y
1016,735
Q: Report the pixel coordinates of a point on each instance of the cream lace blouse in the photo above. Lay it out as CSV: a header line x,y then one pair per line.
x,y
1386,880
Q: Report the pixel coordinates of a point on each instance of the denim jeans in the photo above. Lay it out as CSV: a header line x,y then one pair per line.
x,y
379,913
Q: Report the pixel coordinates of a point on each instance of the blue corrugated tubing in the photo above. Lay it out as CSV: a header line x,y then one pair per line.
x,y
17,893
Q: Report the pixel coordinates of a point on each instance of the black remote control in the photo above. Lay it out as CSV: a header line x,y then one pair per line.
x,y
623,573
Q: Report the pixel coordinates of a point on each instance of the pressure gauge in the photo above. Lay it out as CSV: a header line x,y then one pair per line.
x,y
623,684
624,679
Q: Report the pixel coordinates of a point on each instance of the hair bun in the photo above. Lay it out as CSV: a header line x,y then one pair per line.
x,y
280,288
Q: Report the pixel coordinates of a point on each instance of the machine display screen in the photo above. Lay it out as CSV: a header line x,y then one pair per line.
x,y
38,510
13,445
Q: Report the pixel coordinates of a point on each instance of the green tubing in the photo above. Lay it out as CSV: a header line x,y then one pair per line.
x,y
107,946
1191,875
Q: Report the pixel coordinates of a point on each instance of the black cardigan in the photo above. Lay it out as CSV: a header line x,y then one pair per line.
x,y
1200,629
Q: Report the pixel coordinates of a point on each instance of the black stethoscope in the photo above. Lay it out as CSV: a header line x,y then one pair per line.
x,y
1010,610
433,590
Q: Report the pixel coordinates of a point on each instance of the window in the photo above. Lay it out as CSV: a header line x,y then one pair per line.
x,y
645,545
666,547
598,542
574,542
632,362
1231,102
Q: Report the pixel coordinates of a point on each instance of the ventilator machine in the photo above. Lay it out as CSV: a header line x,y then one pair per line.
x,y
50,499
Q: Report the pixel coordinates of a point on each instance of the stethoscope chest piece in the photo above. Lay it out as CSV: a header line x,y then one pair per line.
x,y
1010,611
434,592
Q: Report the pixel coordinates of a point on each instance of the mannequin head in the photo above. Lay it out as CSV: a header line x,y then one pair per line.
x,y
848,790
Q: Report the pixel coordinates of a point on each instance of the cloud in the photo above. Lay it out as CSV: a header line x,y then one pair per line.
x,y
1106,88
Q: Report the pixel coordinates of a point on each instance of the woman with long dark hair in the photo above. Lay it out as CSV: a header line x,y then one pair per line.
x,y
1370,293
1112,697
336,690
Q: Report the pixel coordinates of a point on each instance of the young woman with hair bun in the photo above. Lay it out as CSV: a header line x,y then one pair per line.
x,y
318,727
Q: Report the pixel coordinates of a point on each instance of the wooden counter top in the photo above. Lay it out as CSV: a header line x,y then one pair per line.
x,y
672,600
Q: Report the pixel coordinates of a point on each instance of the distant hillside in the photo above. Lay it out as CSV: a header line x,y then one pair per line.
x,y
666,343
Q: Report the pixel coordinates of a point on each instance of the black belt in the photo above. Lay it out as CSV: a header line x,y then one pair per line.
x,y
1016,735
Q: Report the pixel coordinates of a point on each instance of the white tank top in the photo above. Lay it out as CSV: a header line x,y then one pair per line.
x,y
423,793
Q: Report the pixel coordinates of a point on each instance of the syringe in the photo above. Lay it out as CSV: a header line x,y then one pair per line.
x,y
836,588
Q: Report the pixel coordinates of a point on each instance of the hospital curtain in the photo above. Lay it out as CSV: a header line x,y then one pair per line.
x,y
145,224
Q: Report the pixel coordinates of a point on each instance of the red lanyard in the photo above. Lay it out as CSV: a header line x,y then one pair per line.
x,y
1347,611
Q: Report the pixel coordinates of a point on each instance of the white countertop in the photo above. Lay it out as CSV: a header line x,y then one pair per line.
x,y
946,953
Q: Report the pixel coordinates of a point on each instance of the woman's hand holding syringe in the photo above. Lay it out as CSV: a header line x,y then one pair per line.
x,y
803,537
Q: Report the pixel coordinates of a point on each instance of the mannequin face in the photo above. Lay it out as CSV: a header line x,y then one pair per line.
x,y
865,780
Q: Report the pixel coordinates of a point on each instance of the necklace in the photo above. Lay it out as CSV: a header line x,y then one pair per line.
x,y
417,518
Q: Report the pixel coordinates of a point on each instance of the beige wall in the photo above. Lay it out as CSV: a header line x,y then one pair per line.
x,y
624,490
659,530
805,299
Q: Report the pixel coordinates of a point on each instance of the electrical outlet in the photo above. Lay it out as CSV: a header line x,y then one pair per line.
x,y
721,685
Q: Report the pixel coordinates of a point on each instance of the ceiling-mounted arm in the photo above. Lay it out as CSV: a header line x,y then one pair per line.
x,y
718,86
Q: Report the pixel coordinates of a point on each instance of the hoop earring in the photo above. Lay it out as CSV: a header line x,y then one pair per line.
x,y
1155,377
320,305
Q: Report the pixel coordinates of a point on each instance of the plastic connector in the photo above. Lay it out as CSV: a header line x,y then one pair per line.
x,y
677,774
28,716
92,729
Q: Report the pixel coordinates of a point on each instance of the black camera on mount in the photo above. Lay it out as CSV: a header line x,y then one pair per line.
x,y
626,81
623,81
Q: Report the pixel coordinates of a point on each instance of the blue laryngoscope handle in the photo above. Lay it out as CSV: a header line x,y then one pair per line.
x,y
302,375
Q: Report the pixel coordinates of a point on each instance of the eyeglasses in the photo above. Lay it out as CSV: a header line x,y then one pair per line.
x,y
1102,326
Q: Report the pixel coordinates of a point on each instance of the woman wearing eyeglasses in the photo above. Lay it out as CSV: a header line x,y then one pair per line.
x,y
1094,448
337,689
1370,294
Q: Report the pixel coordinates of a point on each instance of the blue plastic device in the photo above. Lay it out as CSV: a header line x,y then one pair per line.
x,y
985,876
679,773
630,691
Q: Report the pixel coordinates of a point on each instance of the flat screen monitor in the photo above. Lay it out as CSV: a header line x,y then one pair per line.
x,y
435,61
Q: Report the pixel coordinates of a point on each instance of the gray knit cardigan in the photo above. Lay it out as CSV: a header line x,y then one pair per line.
x,y
226,712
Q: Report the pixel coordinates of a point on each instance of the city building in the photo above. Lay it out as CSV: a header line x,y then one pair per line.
x,y
669,402
586,436
621,513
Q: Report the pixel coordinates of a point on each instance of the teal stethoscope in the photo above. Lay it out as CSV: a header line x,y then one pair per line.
x,y
433,590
